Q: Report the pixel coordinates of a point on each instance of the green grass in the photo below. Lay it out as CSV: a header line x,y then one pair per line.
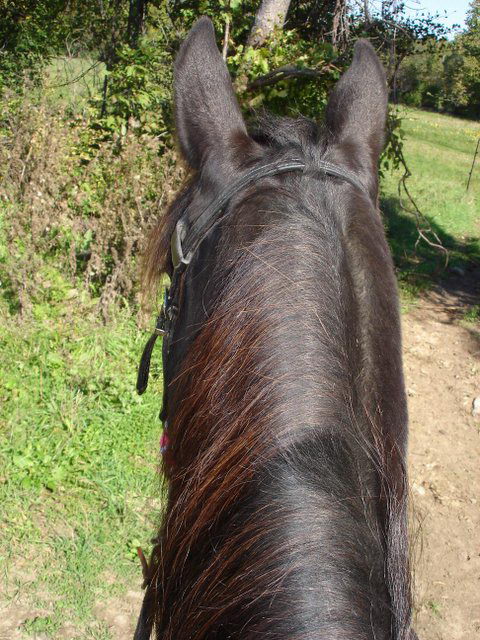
x,y
78,455
435,608
473,314
439,151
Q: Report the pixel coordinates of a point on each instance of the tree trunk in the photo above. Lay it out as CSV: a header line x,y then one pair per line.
x,y
270,14
136,21
366,12
341,26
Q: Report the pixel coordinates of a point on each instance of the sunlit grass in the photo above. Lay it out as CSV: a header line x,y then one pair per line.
x,y
72,81
439,151
78,455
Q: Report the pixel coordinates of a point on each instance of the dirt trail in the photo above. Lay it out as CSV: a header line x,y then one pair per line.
x,y
442,367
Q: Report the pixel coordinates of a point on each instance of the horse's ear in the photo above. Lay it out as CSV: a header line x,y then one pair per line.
x,y
207,114
357,109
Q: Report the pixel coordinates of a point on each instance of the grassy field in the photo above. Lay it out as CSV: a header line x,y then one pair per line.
x,y
439,152
78,452
78,447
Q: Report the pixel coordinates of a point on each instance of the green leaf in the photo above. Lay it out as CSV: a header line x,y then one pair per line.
x,y
22,462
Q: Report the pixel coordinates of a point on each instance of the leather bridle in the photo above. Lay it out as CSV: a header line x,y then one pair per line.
x,y
185,241
187,237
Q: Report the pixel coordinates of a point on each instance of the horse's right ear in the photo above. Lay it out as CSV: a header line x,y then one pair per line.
x,y
207,114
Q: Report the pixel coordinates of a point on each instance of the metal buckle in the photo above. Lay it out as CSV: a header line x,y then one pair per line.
x,y
176,248
161,327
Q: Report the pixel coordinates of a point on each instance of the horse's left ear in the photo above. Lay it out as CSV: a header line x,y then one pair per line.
x,y
207,114
357,109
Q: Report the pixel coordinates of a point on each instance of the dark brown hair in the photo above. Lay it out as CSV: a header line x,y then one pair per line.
x,y
286,512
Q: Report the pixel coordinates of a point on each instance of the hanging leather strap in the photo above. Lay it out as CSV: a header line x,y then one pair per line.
x,y
144,366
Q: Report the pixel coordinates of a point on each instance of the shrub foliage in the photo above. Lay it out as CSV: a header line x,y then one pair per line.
x,y
82,182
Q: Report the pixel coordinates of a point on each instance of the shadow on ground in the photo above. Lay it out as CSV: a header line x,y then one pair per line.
x,y
420,266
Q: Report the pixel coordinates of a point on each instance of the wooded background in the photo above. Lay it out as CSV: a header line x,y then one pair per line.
x,y
87,150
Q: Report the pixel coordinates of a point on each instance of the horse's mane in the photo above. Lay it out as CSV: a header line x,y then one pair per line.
x,y
285,500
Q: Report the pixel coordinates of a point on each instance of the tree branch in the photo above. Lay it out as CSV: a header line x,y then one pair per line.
x,y
288,71
225,38
64,84
424,228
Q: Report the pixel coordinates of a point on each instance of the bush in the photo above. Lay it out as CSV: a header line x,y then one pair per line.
x,y
82,186
138,92
75,209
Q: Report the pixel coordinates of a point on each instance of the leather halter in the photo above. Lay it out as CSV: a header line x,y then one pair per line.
x,y
185,241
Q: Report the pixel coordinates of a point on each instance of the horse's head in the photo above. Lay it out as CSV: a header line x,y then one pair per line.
x,y
213,136
285,400
224,156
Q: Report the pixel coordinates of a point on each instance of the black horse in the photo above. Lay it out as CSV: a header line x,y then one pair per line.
x,y
286,420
